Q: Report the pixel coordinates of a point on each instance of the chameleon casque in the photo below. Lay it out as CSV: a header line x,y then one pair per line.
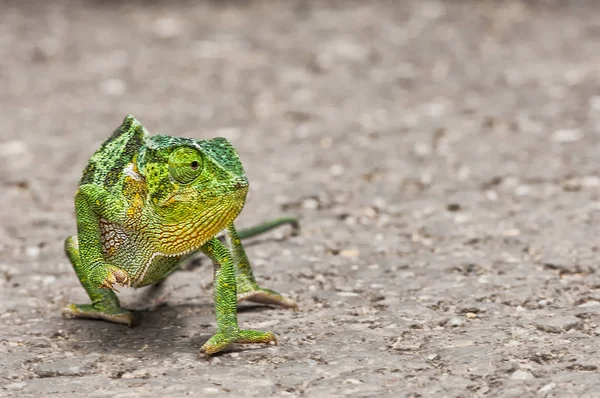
x,y
146,203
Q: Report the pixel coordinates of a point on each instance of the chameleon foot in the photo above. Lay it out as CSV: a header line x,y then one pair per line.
x,y
220,341
266,296
91,311
114,276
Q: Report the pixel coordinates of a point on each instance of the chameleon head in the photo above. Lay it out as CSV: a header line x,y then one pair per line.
x,y
195,187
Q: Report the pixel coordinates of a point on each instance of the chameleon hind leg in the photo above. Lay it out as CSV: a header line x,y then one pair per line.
x,y
105,304
247,287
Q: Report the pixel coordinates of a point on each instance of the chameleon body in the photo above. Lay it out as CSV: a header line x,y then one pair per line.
x,y
146,203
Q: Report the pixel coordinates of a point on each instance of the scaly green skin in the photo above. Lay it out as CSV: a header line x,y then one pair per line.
x,y
146,203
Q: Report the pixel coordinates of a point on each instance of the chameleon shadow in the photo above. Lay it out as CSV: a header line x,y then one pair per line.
x,y
159,332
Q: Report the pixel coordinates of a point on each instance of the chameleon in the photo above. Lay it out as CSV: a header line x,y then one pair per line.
x,y
145,204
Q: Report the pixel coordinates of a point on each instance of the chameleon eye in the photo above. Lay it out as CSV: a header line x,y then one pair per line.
x,y
185,165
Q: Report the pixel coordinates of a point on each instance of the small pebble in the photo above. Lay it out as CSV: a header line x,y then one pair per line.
x,y
454,322
522,375
336,170
167,28
352,381
113,87
310,204
557,324
546,389
12,148
567,136
350,253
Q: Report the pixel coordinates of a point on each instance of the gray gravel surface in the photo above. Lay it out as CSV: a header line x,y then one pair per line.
x,y
443,158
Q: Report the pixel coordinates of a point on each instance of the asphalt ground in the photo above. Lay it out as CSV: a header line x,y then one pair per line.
x,y
442,157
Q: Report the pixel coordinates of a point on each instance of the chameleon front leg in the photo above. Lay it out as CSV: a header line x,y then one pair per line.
x,y
105,304
95,274
93,203
225,293
247,287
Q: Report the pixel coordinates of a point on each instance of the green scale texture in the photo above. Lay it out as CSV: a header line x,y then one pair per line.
x,y
145,204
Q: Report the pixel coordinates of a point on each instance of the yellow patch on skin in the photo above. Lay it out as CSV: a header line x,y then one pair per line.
x,y
132,189
137,201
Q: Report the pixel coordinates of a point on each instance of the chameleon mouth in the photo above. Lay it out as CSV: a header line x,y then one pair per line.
x,y
240,183
236,190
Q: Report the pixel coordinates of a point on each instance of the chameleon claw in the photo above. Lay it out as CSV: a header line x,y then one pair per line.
x,y
116,276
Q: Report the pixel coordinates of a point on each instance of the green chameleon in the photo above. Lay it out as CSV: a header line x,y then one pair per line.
x,y
146,203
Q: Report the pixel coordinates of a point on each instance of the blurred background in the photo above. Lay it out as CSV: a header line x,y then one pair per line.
x,y
441,154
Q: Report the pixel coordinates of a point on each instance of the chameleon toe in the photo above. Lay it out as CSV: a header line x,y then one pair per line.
x,y
221,341
88,311
255,337
266,296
